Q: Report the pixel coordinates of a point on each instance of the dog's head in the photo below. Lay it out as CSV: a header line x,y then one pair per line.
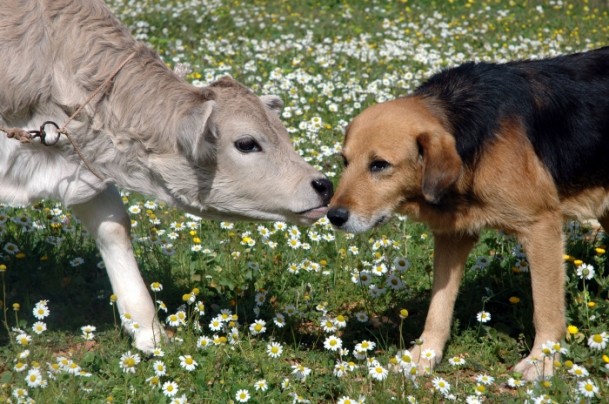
x,y
397,154
243,162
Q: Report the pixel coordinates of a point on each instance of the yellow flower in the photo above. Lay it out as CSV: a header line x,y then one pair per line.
x,y
591,305
514,299
113,298
567,257
572,329
16,306
196,240
20,255
577,262
403,313
599,250
605,358
2,268
195,291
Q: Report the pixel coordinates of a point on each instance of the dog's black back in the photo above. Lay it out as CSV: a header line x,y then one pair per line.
x,y
562,102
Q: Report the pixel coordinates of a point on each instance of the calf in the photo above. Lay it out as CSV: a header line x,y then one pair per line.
x,y
219,152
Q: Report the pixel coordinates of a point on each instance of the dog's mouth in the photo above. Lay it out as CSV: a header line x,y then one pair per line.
x,y
314,213
381,220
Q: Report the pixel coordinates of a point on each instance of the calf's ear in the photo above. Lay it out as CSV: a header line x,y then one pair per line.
x,y
197,132
442,164
272,102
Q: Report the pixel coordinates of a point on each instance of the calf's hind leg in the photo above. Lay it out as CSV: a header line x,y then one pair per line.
x,y
105,218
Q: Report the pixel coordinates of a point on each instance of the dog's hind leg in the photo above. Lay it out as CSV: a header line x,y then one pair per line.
x,y
451,251
105,218
543,244
604,221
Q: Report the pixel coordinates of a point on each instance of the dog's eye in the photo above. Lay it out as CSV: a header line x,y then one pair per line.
x,y
247,145
379,165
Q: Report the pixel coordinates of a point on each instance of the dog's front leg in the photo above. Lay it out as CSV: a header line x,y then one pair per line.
x,y
542,241
105,218
450,253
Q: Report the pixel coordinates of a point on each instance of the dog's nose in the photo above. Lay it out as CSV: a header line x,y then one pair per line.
x,y
324,188
338,216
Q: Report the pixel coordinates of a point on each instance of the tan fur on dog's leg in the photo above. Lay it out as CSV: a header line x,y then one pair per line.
x,y
604,221
543,243
449,261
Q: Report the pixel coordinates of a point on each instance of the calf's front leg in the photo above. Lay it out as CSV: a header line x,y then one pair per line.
x,y
450,253
105,218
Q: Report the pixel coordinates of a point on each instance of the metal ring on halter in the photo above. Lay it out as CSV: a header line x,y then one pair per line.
x,y
42,134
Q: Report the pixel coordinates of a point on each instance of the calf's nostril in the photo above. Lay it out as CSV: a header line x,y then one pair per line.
x,y
338,216
324,188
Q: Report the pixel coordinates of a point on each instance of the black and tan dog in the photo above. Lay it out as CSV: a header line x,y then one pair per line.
x,y
515,146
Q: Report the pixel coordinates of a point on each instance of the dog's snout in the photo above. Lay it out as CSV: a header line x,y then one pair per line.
x,y
338,216
324,188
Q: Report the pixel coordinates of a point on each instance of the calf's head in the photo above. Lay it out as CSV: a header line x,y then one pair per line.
x,y
241,163
397,154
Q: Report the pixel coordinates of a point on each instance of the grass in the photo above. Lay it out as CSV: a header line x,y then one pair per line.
x,y
327,60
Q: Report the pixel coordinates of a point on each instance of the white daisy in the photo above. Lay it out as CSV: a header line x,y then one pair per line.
x,y
242,396
441,385
378,372
274,349
34,378
333,343
258,327
598,341
483,316
170,388
129,361
187,362
587,388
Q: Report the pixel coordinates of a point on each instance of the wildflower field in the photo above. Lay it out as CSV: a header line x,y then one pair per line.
x,y
274,313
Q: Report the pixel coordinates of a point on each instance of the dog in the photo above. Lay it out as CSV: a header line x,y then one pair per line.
x,y
219,152
515,146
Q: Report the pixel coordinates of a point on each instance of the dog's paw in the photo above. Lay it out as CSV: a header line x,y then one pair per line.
x,y
535,368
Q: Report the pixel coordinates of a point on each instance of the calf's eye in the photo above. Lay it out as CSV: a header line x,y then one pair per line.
x,y
247,145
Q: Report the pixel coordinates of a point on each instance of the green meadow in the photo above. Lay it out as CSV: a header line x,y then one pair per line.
x,y
275,313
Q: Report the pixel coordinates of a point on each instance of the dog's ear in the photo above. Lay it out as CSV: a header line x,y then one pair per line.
x,y
442,164
272,102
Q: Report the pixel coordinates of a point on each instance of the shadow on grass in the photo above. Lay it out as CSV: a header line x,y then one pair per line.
x,y
80,295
